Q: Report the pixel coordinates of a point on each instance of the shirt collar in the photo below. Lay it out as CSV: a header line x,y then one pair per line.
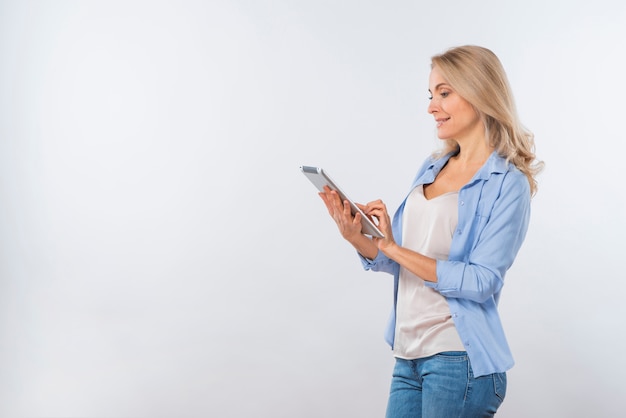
x,y
494,164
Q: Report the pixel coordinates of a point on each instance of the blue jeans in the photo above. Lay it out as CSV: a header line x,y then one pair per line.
x,y
443,386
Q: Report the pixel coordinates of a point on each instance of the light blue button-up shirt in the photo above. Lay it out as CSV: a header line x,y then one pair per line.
x,y
494,210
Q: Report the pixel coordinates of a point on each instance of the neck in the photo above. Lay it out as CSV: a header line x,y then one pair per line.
x,y
473,145
473,152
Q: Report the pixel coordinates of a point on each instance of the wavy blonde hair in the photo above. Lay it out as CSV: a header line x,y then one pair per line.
x,y
477,75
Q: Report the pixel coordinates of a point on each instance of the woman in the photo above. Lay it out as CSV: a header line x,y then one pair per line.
x,y
451,242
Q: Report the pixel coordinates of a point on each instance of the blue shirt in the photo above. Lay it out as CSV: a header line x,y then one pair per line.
x,y
494,210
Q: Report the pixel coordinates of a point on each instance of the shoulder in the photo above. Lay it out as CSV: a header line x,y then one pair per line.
x,y
516,181
506,176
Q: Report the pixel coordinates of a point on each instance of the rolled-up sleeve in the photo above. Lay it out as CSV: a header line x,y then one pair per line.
x,y
380,263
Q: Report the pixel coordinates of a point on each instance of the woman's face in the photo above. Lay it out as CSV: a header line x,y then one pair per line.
x,y
456,118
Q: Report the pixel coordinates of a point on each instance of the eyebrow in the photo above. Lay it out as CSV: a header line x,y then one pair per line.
x,y
438,86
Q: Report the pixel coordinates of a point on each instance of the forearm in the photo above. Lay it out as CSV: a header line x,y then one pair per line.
x,y
418,264
365,246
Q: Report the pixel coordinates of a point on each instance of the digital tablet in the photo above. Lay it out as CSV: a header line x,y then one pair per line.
x,y
320,179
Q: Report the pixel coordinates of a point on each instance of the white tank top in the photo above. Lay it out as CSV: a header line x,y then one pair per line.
x,y
424,325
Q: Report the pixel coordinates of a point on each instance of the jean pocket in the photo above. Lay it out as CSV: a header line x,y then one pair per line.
x,y
454,356
499,385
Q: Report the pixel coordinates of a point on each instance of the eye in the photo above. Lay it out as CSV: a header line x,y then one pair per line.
x,y
445,94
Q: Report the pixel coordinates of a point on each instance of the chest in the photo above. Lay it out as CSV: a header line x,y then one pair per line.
x,y
450,179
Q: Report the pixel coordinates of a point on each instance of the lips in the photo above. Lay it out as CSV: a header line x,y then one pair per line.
x,y
440,121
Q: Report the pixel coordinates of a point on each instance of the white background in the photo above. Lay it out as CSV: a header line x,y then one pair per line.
x,y
161,254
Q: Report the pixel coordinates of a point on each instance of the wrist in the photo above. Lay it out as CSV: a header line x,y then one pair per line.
x,y
388,249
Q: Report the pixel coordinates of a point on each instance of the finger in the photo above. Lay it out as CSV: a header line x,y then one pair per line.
x,y
346,208
376,212
327,203
357,219
334,197
375,205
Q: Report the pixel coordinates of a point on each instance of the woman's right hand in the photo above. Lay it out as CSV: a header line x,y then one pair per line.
x,y
349,226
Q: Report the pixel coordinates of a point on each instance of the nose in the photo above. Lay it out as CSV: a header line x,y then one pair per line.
x,y
432,106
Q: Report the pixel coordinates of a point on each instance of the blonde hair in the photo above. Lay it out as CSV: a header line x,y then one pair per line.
x,y
477,75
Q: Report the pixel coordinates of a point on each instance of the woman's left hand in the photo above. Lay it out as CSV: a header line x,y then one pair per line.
x,y
378,210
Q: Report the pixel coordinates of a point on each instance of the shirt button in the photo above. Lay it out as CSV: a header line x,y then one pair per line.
x,y
462,202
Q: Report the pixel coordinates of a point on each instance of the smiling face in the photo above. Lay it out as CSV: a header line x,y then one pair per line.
x,y
456,118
